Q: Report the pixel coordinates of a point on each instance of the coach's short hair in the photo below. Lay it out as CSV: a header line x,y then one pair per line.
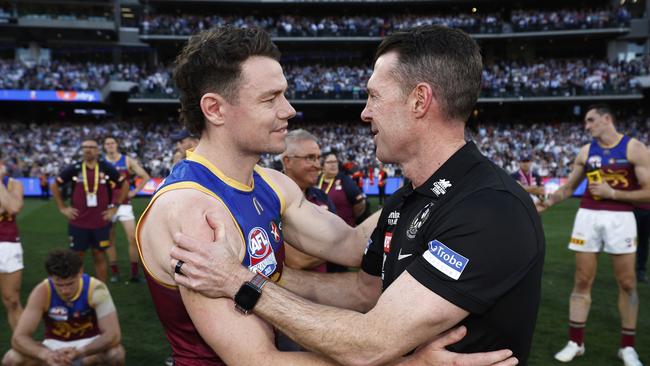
x,y
447,59
211,62
63,263
602,109
298,135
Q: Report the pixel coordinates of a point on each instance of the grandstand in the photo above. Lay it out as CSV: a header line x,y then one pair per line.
x,y
75,67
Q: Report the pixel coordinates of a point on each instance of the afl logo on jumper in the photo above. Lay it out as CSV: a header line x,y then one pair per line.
x,y
419,220
594,162
58,313
262,257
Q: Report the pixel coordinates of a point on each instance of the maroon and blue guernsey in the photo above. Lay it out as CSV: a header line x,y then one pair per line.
x,y
609,164
74,319
121,166
256,210
8,227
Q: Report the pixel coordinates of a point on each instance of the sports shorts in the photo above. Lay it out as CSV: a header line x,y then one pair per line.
x,y
84,239
612,232
124,213
55,344
11,257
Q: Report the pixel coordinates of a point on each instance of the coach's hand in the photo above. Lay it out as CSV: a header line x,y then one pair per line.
x,y
435,353
70,212
209,268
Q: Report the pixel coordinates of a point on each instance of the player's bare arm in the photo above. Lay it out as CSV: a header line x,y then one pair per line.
x,y
299,260
575,177
316,231
107,320
137,170
348,290
638,155
22,340
11,197
237,339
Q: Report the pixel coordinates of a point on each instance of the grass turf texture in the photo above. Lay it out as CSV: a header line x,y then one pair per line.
x,y
43,228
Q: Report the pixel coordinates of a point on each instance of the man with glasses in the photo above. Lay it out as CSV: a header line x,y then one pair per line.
x,y
92,203
302,163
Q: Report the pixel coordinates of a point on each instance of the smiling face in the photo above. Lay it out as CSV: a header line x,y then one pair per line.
x,y
330,166
386,110
258,120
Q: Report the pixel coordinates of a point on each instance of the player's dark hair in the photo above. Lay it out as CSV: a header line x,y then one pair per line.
x,y
602,109
63,263
449,60
211,62
110,137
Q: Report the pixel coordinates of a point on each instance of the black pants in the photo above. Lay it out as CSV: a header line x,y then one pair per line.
x,y
643,231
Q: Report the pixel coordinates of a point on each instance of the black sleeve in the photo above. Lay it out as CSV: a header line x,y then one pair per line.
x,y
352,191
112,173
374,254
479,250
67,174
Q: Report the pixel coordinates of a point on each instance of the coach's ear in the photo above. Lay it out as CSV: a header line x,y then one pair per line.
x,y
212,106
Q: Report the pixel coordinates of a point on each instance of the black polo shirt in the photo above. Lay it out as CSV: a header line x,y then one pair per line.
x,y
472,235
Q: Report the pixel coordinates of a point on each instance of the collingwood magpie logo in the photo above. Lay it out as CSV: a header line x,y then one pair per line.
x,y
393,217
440,187
419,220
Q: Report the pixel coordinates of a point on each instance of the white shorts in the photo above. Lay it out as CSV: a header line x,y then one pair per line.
x,y
124,213
11,257
612,232
55,344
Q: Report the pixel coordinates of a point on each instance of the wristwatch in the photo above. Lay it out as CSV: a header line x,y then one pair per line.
x,y
249,293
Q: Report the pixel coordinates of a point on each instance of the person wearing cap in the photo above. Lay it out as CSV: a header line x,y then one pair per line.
x,y
528,179
184,141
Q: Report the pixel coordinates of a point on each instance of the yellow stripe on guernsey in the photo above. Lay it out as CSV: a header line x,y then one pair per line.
x,y
192,156
172,187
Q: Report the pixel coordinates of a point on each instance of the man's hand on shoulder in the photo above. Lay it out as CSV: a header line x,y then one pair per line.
x,y
209,268
435,353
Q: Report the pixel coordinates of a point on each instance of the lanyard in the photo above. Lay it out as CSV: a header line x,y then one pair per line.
x,y
320,184
85,177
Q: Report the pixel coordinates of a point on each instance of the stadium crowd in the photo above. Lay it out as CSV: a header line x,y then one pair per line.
x,y
376,26
553,146
500,79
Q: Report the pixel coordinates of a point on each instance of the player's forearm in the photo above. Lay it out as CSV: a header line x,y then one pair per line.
x,y
8,202
143,183
637,196
25,345
335,289
293,359
101,344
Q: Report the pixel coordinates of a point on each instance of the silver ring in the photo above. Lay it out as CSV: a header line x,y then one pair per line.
x,y
177,269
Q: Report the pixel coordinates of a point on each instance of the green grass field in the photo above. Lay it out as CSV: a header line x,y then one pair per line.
x,y
43,228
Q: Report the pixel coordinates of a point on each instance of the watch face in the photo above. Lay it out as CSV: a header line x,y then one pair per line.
x,y
247,297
